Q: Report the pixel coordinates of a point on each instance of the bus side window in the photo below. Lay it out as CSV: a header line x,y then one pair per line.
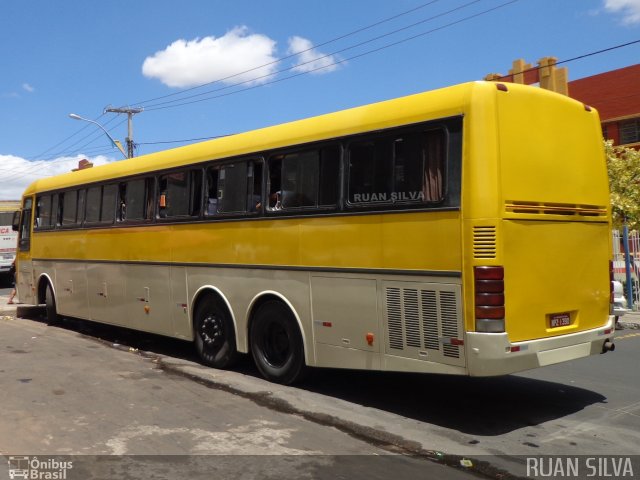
x,y
400,169
43,212
81,206
56,220
136,200
94,194
107,209
195,195
254,195
175,198
329,178
305,179
435,153
162,197
211,195
121,213
275,183
69,207
232,188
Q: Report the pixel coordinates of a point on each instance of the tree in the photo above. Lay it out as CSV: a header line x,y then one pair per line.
x,y
623,165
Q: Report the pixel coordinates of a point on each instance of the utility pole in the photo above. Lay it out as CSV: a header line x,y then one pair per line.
x,y
130,113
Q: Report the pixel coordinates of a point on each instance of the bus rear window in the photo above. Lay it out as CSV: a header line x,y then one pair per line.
x,y
400,169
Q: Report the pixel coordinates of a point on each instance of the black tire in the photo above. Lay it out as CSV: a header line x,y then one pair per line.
x,y
50,306
276,344
215,338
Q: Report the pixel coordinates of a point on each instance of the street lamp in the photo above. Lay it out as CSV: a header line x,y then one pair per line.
x,y
115,143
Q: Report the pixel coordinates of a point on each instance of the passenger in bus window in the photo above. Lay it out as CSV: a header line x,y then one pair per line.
x,y
275,201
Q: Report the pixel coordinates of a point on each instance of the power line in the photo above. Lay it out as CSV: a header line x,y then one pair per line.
x,y
568,60
322,44
328,55
359,30
162,106
95,135
186,140
59,157
182,102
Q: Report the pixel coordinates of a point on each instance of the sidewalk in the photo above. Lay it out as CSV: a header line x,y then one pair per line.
x,y
631,319
15,309
6,309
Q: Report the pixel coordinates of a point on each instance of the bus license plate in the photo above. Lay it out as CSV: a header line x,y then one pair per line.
x,y
560,320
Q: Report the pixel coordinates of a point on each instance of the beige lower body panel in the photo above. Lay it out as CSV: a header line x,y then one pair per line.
x,y
491,354
343,317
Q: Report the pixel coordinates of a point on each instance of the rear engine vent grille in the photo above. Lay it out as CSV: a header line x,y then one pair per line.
x,y
484,242
424,322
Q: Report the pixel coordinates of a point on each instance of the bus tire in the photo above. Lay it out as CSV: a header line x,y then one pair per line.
x,y
276,344
50,305
215,337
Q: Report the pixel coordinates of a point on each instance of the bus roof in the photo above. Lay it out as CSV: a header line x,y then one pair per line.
x,y
431,105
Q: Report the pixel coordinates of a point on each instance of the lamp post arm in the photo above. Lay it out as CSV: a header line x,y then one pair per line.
x,y
113,142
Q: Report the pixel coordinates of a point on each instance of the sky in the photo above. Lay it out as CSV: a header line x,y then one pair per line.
x,y
206,68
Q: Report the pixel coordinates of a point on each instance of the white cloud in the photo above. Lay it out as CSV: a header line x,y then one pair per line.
x,y
28,88
310,59
17,173
630,9
187,63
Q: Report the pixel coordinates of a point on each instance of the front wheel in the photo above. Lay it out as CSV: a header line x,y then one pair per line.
x,y
276,344
50,306
215,337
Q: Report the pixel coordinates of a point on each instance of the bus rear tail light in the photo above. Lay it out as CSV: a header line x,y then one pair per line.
x,y
489,299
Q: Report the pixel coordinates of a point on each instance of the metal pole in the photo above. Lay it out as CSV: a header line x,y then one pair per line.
x,y
130,113
130,134
627,265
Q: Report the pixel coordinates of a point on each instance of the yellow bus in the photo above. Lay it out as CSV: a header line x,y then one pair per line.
x,y
464,230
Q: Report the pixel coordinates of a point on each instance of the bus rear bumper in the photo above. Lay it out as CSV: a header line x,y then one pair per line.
x,y
492,354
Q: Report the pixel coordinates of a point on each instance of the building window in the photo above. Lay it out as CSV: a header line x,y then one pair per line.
x,y
630,132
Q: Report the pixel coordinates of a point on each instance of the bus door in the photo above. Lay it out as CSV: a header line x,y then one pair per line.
x,y
24,265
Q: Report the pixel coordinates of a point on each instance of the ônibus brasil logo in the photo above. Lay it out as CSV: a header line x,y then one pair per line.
x,y
33,468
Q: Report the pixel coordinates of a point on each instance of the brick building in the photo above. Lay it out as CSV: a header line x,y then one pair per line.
x,y
616,95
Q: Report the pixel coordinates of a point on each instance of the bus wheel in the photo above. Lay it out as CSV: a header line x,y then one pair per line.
x,y
215,338
276,344
50,306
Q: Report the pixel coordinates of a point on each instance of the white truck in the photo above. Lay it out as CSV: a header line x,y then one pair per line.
x,y
8,240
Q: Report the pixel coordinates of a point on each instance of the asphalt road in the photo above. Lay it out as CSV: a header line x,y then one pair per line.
x,y
586,407
115,413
